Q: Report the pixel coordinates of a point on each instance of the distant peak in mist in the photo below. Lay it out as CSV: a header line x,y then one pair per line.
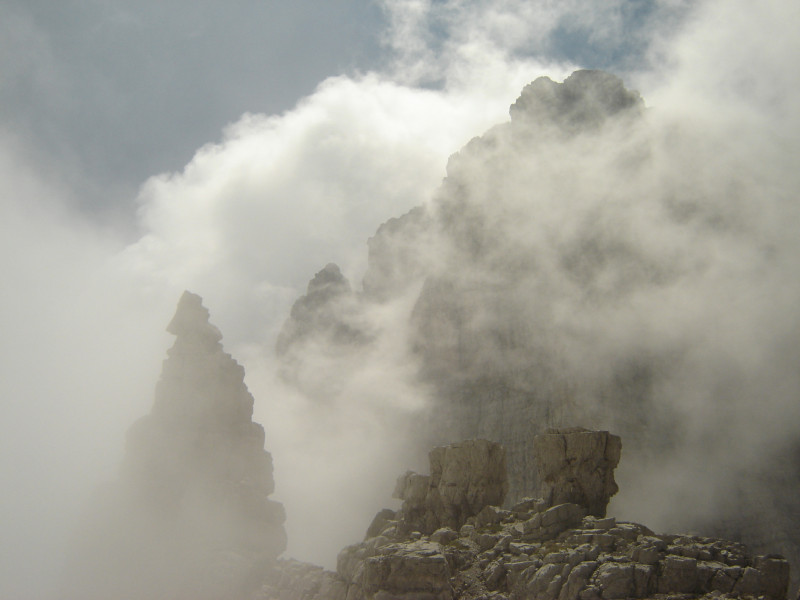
x,y
328,282
330,309
192,319
582,102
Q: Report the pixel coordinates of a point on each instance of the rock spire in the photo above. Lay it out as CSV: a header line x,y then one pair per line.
x,y
189,515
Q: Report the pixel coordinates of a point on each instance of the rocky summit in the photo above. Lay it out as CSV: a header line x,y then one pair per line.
x,y
189,515
452,540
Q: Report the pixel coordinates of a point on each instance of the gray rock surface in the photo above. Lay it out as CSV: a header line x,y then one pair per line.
x,y
583,102
189,515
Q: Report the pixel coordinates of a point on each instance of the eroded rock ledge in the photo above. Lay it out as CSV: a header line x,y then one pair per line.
x,y
452,539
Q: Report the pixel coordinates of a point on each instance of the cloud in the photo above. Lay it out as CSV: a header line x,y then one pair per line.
x,y
672,244
465,43
245,224
280,196
722,95
112,92
253,216
668,245
80,358
739,63
251,219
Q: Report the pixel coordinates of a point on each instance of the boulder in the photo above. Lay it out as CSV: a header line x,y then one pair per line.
x,y
413,571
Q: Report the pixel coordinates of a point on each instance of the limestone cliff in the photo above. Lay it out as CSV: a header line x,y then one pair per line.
x,y
189,515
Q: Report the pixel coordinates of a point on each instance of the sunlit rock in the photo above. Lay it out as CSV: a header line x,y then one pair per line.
x,y
465,478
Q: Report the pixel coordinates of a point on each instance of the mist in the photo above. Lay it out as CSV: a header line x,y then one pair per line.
x,y
700,192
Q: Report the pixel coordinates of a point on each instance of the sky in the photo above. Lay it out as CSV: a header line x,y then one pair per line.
x,y
234,150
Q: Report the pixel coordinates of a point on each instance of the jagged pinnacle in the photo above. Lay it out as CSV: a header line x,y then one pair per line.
x,y
191,320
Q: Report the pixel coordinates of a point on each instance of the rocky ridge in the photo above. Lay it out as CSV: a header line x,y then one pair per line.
x,y
461,544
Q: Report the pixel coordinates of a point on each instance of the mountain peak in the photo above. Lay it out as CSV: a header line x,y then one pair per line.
x,y
584,101
191,320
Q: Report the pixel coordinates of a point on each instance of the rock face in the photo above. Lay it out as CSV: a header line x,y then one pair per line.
x,y
577,466
320,311
190,514
325,327
533,550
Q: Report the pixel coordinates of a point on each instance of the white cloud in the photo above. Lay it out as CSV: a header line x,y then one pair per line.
x,y
280,196
79,361
251,219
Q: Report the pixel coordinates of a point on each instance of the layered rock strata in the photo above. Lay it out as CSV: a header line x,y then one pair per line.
x,y
190,514
533,550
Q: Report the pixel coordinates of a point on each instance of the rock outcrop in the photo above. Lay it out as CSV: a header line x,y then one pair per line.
x,y
583,102
535,549
189,515
577,466
464,479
